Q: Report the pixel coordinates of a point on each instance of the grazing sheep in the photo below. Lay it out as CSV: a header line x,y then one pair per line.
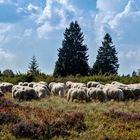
x,y
6,87
113,92
135,89
57,88
20,83
70,84
128,93
92,84
101,86
97,94
77,93
1,93
42,90
24,93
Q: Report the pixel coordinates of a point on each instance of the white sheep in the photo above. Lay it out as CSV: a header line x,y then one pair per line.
x,y
97,94
113,92
78,94
70,84
6,87
57,88
42,90
92,84
24,93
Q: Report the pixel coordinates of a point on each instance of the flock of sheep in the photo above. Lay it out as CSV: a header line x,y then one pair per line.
x,y
74,91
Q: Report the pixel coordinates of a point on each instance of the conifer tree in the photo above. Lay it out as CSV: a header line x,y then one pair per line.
x,y
33,66
106,60
72,57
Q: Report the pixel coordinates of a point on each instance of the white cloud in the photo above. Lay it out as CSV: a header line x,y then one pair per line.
x,y
42,30
5,30
32,7
5,1
5,55
123,24
47,12
111,5
27,32
54,16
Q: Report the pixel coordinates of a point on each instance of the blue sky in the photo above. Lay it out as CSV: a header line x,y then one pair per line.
x,y
36,27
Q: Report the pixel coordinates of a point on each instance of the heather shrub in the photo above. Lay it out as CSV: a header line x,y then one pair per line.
x,y
6,103
8,117
123,115
62,125
25,129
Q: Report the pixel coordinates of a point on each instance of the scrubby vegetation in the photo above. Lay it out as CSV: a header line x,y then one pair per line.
x,y
55,118
106,78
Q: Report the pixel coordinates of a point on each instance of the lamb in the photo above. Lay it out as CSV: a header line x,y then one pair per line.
x,y
92,84
77,93
113,92
97,94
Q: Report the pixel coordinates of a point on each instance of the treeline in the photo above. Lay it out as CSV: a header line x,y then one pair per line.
x,y
29,77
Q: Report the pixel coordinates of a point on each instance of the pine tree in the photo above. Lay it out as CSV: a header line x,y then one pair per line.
x,y
72,57
106,60
33,66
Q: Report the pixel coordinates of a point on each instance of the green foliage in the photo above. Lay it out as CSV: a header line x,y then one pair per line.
x,y
8,72
33,66
72,57
106,60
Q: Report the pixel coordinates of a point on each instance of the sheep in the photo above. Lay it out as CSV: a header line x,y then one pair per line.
x,y
24,93
119,85
42,90
6,87
57,88
77,93
97,94
128,93
92,84
20,83
1,93
101,86
113,92
135,89
70,84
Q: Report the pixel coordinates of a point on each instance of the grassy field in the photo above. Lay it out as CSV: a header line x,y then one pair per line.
x,y
73,120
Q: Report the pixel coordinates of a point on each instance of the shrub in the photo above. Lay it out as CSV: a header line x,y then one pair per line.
x,y
24,129
6,103
123,115
8,117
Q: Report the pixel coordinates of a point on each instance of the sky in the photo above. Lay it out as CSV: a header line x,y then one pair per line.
x,y
36,27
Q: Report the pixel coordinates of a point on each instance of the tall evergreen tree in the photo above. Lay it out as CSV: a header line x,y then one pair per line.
x,y
72,57
106,60
33,66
